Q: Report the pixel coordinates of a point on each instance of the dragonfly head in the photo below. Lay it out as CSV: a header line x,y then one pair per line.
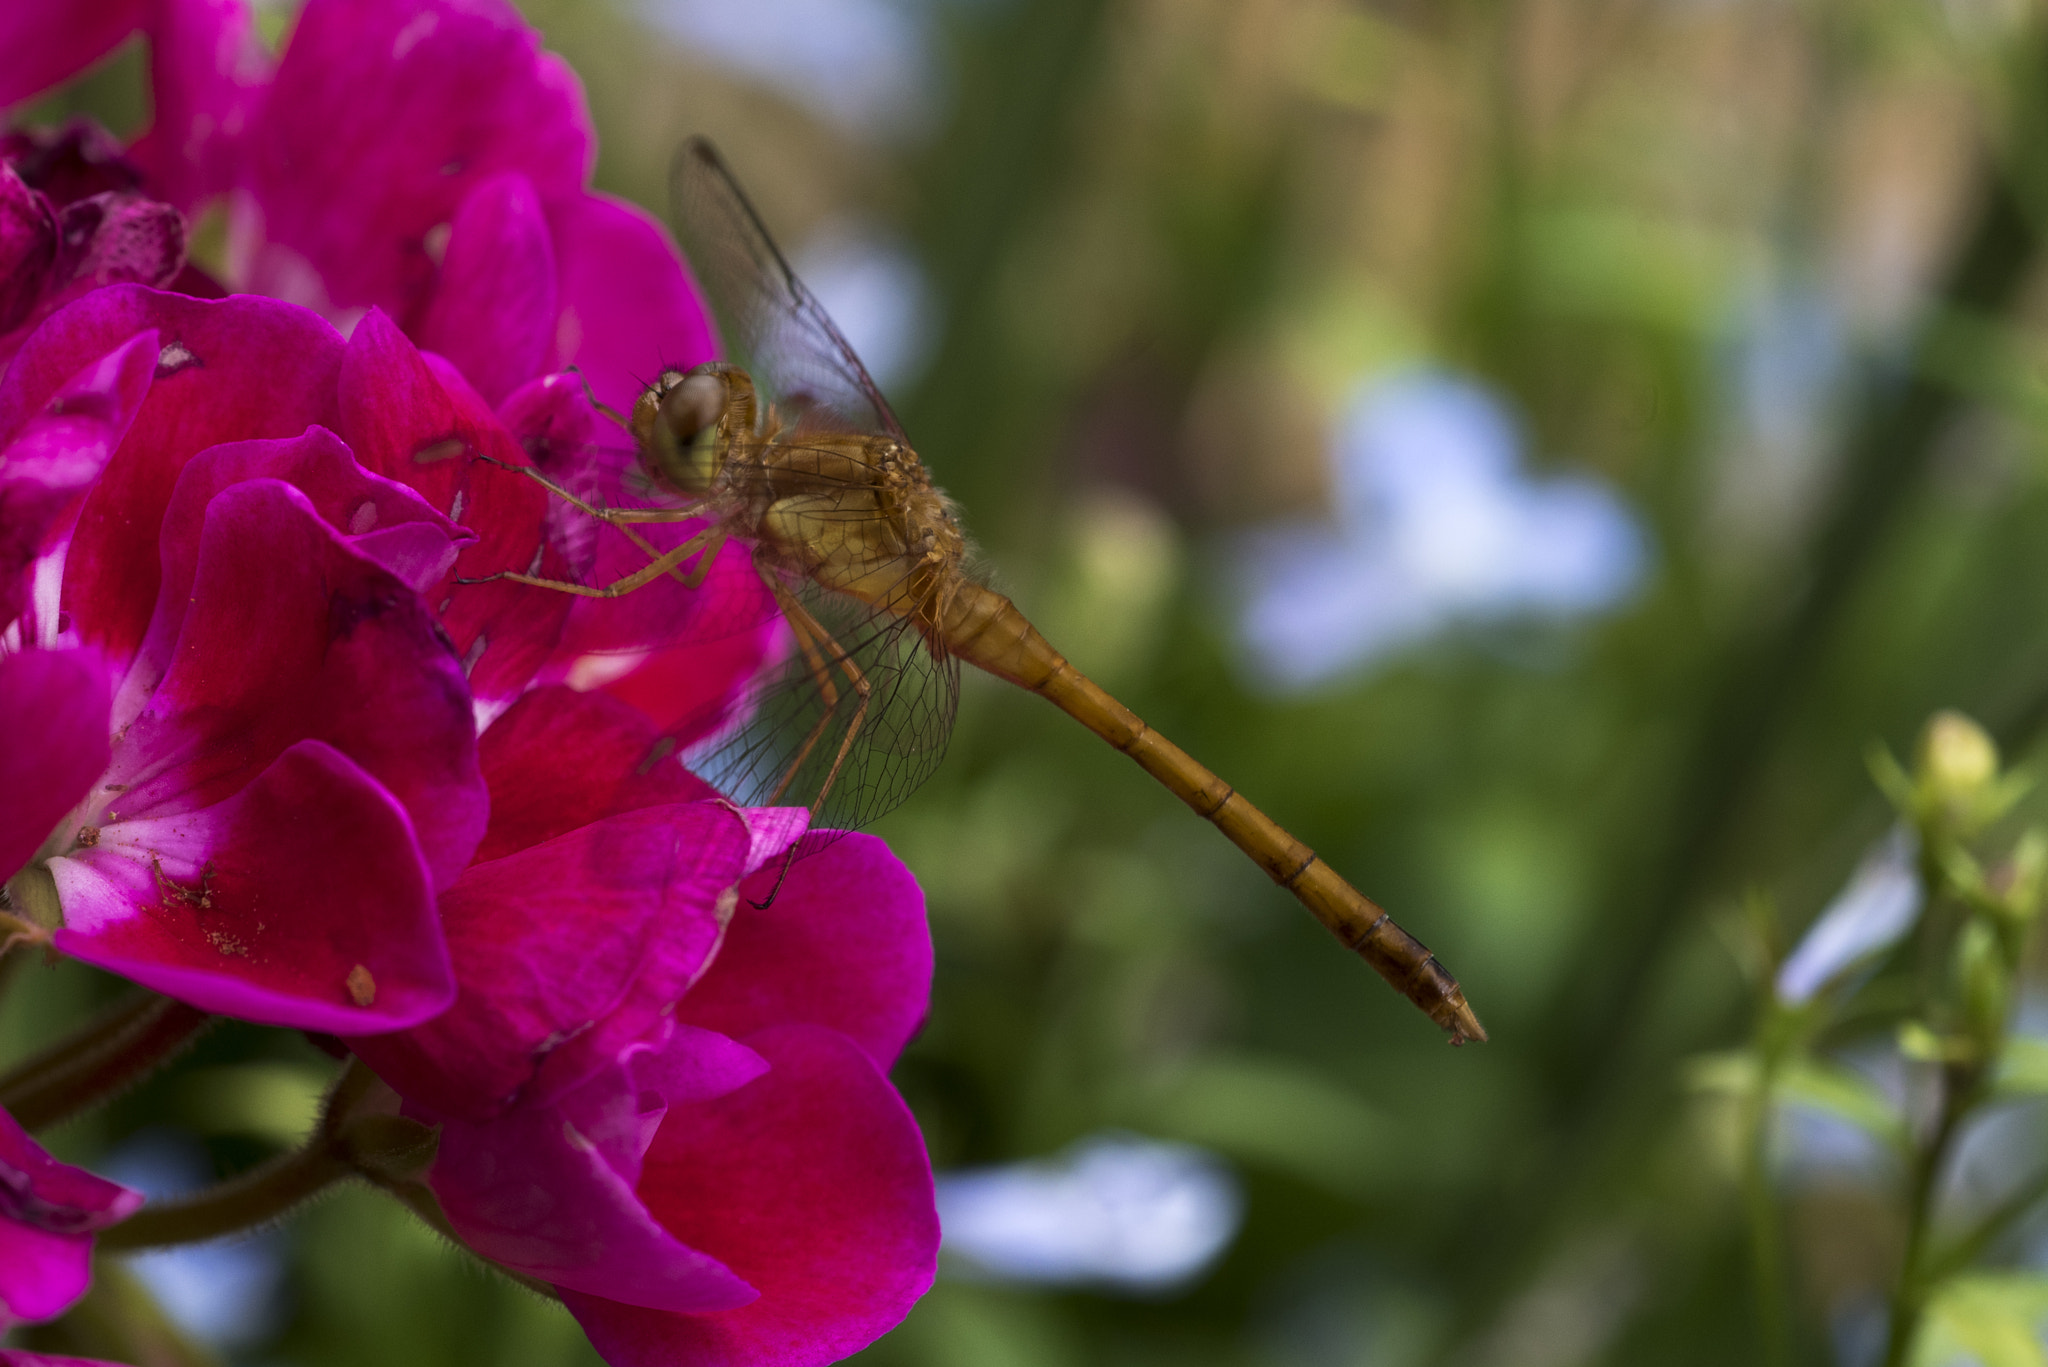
x,y
685,421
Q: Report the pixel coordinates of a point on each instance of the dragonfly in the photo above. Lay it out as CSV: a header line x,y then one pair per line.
x,y
788,453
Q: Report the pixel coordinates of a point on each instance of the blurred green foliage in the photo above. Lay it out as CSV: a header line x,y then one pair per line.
x,y
1165,239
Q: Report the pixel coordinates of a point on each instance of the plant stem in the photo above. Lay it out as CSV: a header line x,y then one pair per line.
x,y
1916,1278
119,1047
1767,1244
257,1197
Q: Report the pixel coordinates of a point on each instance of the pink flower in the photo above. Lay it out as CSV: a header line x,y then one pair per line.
x,y
673,1105
71,220
669,1103
426,159
293,771
49,1212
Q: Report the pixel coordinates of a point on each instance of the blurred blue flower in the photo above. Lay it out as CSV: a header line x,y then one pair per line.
x,y
1113,1211
868,65
1869,915
226,1293
1436,524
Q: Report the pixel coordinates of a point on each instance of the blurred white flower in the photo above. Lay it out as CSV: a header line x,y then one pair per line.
x,y
1869,915
1436,523
1114,1211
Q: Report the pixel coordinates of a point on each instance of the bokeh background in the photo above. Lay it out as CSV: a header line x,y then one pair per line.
x,y
1533,449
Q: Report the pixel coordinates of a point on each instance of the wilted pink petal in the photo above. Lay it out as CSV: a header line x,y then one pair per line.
x,y
376,517
384,116
53,710
207,73
119,236
628,307
49,1212
301,899
493,307
227,370
567,953
41,45
28,247
549,1191
290,635
54,453
74,161
425,428
812,1184
558,759
844,945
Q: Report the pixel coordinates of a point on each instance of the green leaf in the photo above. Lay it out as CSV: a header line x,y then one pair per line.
x,y
1988,1316
1842,1092
2023,1069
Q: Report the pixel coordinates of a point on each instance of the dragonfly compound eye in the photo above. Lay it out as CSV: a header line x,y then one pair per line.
x,y
685,441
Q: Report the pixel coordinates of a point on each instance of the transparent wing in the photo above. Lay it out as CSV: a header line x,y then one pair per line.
x,y
808,734
772,325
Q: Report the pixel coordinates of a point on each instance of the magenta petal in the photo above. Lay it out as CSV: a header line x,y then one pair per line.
x,y
288,634
55,454
551,1209
207,71
812,1183
384,116
558,759
227,370
53,710
493,307
549,1191
342,493
41,1273
549,997
427,429
302,900
41,45
844,945
49,1212
629,309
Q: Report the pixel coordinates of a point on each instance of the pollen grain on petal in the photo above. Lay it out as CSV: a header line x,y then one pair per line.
x,y
362,988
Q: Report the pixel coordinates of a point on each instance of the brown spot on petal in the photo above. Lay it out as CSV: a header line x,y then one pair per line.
x,y
362,988
434,452
88,836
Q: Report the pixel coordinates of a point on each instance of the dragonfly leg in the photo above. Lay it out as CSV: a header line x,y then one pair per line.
x,y
663,563
810,635
590,397
695,579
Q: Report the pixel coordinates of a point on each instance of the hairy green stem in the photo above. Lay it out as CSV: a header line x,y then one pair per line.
x,y
257,1197
131,1039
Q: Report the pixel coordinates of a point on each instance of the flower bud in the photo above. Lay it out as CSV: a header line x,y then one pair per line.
x,y
1957,760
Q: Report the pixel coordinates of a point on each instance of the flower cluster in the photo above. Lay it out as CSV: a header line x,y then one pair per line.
x,y
273,750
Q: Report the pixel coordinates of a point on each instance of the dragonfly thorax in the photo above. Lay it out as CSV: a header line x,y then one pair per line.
x,y
855,512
